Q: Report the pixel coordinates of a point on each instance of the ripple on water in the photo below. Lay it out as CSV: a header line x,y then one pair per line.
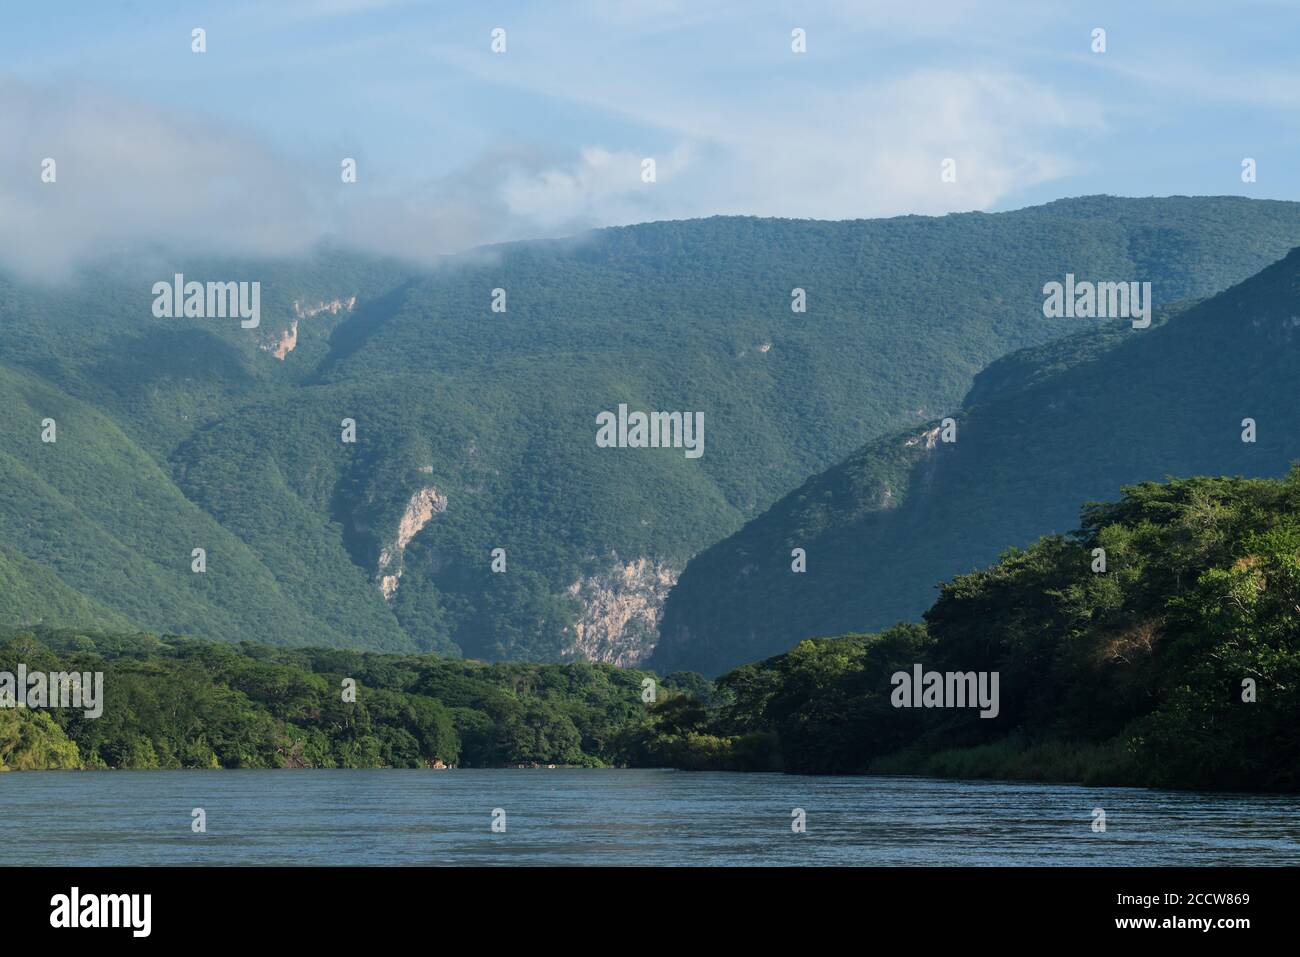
x,y
624,817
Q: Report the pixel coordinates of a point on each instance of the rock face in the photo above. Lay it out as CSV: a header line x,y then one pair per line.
x,y
288,339
621,608
288,342
333,307
928,438
420,510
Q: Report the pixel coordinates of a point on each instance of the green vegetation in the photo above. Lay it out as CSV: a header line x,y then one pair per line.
x,y
1135,676
188,703
1040,431
177,434
33,741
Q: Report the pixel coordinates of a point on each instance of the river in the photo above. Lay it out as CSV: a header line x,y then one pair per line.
x,y
622,817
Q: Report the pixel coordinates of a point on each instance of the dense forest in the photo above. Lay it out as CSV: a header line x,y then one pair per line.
x,y
173,702
177,434
1177,663
1204,391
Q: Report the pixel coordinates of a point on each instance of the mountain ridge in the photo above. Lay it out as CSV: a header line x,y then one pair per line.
x,y
497,411
1041,430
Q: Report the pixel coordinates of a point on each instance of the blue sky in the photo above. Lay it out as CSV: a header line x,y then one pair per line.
x,y
238,149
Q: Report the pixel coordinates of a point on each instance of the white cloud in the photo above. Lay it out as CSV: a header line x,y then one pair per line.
x,y
877,150
599,187
131,177
134,179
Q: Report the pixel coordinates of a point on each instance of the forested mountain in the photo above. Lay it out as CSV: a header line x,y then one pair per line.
x,y
1039,432
1178,665
475,429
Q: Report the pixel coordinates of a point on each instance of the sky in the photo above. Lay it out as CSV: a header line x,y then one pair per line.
x,y
238,150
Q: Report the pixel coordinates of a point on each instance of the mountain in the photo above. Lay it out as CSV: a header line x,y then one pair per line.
x,y
97,534
1040,431
475,430
1176,665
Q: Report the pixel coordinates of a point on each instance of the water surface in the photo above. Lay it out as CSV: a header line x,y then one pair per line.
x,y
621,817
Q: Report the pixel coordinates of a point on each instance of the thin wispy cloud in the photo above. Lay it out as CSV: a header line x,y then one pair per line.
x,y
238,150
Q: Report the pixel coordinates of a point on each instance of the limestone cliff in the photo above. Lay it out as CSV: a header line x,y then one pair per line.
x,y
333,307
287,340
621,607
420,510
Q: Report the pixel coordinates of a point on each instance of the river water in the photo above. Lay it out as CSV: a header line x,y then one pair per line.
x,y
622,817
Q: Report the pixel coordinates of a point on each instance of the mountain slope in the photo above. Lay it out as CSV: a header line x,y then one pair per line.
x,y
476,429
1040,431
95,510
32,594
1176,666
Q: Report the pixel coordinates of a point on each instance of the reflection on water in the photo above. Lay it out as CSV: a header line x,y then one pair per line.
x,y
622,818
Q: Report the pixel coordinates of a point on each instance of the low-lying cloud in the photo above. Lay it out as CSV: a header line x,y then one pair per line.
x,y
133,179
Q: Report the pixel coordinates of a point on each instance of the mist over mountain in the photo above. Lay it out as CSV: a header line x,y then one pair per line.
x,y
1040,431
475,514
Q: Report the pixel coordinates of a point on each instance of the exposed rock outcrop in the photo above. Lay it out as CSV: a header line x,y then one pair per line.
x,y
333,307
288,342
621,608
929,438
420,510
